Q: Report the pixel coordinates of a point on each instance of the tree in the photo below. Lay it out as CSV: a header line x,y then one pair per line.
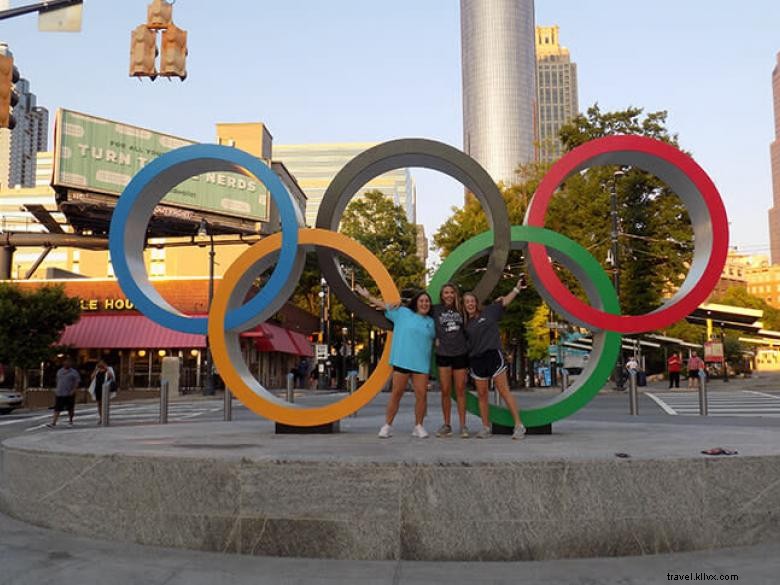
x,y
738,296
655,234
31,323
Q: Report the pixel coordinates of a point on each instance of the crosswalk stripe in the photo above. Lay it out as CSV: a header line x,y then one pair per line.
x,y
733,403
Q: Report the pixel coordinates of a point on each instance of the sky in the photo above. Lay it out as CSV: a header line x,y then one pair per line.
x,y
362,70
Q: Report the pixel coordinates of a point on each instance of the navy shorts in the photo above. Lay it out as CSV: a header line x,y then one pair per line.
x,y
488,365
64,403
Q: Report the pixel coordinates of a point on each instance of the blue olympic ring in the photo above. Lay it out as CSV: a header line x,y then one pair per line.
x,y
145,191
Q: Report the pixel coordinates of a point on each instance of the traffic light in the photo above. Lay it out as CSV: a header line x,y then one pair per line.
x,y
159,15
174,53
143,52
8,98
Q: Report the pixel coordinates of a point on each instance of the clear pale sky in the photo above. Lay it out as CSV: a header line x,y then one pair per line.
x,y
357,70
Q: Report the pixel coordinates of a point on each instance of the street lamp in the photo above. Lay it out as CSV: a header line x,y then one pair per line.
x,y
321,363
723,342
614,256
205,230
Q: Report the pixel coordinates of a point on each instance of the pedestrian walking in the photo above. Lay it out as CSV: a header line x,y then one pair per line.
x,y
486,357
673,366
410,356
68,380
103,383
452,357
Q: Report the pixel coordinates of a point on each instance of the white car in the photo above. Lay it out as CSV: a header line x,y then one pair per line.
x,y
9,399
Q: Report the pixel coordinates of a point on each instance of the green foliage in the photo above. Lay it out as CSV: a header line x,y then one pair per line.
x,y
655,236
31,323
381,226
537,333
738,296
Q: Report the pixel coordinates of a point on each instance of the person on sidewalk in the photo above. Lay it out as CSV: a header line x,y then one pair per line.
x,y
410,356
452,357
486,358
68,380
673,366
695,364
103,383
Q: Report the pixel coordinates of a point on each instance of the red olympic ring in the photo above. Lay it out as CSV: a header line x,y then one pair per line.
x,y
708,216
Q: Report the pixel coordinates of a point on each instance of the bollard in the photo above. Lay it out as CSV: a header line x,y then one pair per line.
x,y
290,388
164,402
105,408
702,393
633,394
564,379
227,409
352,386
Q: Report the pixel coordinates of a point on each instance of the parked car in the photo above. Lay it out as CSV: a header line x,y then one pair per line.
x,y
9,399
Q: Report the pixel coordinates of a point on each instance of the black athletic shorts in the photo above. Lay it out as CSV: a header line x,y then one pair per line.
x,y
64,402
693,373
488,365
456,362
401,370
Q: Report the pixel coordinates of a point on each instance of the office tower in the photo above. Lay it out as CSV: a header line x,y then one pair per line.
x,y
19,147
499,84
774,150
315,165
556,78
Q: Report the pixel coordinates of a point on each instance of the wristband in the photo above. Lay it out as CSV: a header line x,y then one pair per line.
x,y
517,290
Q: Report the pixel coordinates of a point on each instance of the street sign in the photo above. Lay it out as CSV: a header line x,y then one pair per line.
x,y
321,351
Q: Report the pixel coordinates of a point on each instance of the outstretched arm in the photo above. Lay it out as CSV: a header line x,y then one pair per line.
x,y
510,296
378,303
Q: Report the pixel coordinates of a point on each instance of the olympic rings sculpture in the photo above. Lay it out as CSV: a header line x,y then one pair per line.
x,y
285,251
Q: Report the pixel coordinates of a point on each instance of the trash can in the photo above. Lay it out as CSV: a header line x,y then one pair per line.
x,y
641,378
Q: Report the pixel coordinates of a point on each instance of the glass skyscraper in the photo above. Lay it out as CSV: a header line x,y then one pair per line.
x,y
499,84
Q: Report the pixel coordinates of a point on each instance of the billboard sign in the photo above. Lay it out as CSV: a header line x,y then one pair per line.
x,y
713,351
101,156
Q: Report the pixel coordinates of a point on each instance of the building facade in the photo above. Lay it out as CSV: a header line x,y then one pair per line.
x,y
315,165
774,150
19,147
499,84
556,78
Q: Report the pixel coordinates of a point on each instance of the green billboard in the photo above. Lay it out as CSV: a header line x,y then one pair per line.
x,y
97,155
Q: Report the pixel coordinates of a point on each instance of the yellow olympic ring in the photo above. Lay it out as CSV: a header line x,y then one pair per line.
x,y
245,387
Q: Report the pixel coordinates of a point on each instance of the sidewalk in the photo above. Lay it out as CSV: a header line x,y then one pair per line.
x,y
35,556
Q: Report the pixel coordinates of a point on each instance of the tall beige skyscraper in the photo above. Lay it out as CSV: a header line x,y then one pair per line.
x,y
556,78
774,150
499,84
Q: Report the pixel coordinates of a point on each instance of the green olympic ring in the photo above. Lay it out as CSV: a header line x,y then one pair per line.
x,y
600,292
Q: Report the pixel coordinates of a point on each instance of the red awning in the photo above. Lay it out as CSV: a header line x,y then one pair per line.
x,y
276,338
126,332
302,343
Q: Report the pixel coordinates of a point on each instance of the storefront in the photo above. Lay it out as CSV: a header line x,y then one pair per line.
x,y
111,329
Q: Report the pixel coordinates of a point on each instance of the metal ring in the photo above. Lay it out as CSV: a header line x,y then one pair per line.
x,y
226,349
136,205
700,197
410,152
600,292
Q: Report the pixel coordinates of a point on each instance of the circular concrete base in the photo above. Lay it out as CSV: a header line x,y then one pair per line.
x,y
236,487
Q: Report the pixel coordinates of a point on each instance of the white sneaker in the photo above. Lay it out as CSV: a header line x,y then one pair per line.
x,y
420,432
519,432
385,432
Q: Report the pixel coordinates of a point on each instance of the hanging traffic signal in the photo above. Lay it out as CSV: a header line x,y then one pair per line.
x,y
143,52
159,15
8,98
174,53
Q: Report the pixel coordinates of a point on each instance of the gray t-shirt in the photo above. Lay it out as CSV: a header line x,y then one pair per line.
x,y
482,333
449,331
67,382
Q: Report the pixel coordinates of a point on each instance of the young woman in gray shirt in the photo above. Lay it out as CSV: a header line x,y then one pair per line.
x,y
486,359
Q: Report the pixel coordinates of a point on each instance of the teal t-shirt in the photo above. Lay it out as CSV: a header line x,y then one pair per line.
x,y
413,336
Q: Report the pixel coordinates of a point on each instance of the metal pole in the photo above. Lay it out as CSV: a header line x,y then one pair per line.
x,y
352,386
290,388
209,387
633,394
164,402
564,379
105,408
38,7
702,393
619,384
228,405
725,365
